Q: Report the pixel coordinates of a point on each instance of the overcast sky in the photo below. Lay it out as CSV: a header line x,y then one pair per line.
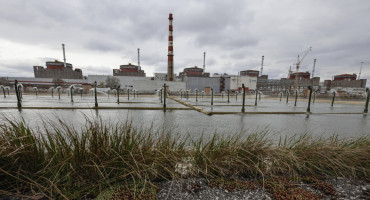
x,y
101,35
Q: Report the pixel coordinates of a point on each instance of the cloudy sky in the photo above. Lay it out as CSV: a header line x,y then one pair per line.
x,y
101,35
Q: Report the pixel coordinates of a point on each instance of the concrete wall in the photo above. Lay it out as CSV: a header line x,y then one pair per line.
x,y
153,85
236,82
63,73
142,84
125,81
200,83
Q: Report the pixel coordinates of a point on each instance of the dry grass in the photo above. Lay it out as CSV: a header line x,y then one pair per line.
x,y
60,161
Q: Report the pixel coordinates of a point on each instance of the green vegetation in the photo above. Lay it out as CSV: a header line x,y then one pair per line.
x,y
60,161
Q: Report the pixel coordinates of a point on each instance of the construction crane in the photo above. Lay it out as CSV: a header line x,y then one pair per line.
x,y
299,61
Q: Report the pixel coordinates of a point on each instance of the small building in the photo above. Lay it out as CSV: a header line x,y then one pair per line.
x,y
193,72
301,75
253,73
236,82
129,70
348,77
56,69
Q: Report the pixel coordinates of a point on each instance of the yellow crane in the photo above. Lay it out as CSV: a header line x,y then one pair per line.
x,y
299,61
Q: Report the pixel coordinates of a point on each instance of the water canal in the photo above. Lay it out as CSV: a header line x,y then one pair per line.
x,y
185,121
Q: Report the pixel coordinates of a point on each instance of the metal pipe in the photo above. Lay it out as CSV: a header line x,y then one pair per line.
x,y
64,56
309,100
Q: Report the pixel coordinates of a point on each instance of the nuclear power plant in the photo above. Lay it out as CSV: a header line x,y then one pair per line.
x,y
192,78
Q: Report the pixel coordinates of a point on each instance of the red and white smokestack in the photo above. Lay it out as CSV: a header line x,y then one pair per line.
x,y
64,56
170,51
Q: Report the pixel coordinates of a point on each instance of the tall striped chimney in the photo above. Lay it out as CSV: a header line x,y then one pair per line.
x,y
64,56
170,51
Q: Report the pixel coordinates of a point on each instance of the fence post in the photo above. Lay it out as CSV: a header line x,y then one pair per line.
x,y
296,95
332,102
70,90
243,104
255,102
96,97
309,100
367,100
118,94
212,97
164,96
228,96
287,96
196,95
19,104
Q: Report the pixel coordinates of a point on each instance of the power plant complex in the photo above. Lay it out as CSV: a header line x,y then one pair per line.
x,y
131,76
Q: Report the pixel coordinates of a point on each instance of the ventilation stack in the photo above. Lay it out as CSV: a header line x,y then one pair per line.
x,y
64,56
170,51
138,57
204,62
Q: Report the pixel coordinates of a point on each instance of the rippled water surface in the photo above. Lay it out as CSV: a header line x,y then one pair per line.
x,y
196,123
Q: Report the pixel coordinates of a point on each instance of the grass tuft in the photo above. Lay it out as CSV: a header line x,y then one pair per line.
x,y
61,161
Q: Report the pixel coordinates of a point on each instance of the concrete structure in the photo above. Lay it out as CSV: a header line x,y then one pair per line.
x,y
143,84
301,75
201,83
56,69
345,77
170,71
250,83
46,83
193,72
254,73
129,70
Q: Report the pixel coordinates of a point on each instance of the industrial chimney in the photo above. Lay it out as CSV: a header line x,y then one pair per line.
x,y
138,57
64,56
170,51
204,62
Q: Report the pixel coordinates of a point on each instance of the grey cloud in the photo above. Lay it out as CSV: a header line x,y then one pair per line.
x,y
102,45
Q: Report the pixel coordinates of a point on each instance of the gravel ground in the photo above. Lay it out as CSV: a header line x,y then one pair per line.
x,y
194,189
198,189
